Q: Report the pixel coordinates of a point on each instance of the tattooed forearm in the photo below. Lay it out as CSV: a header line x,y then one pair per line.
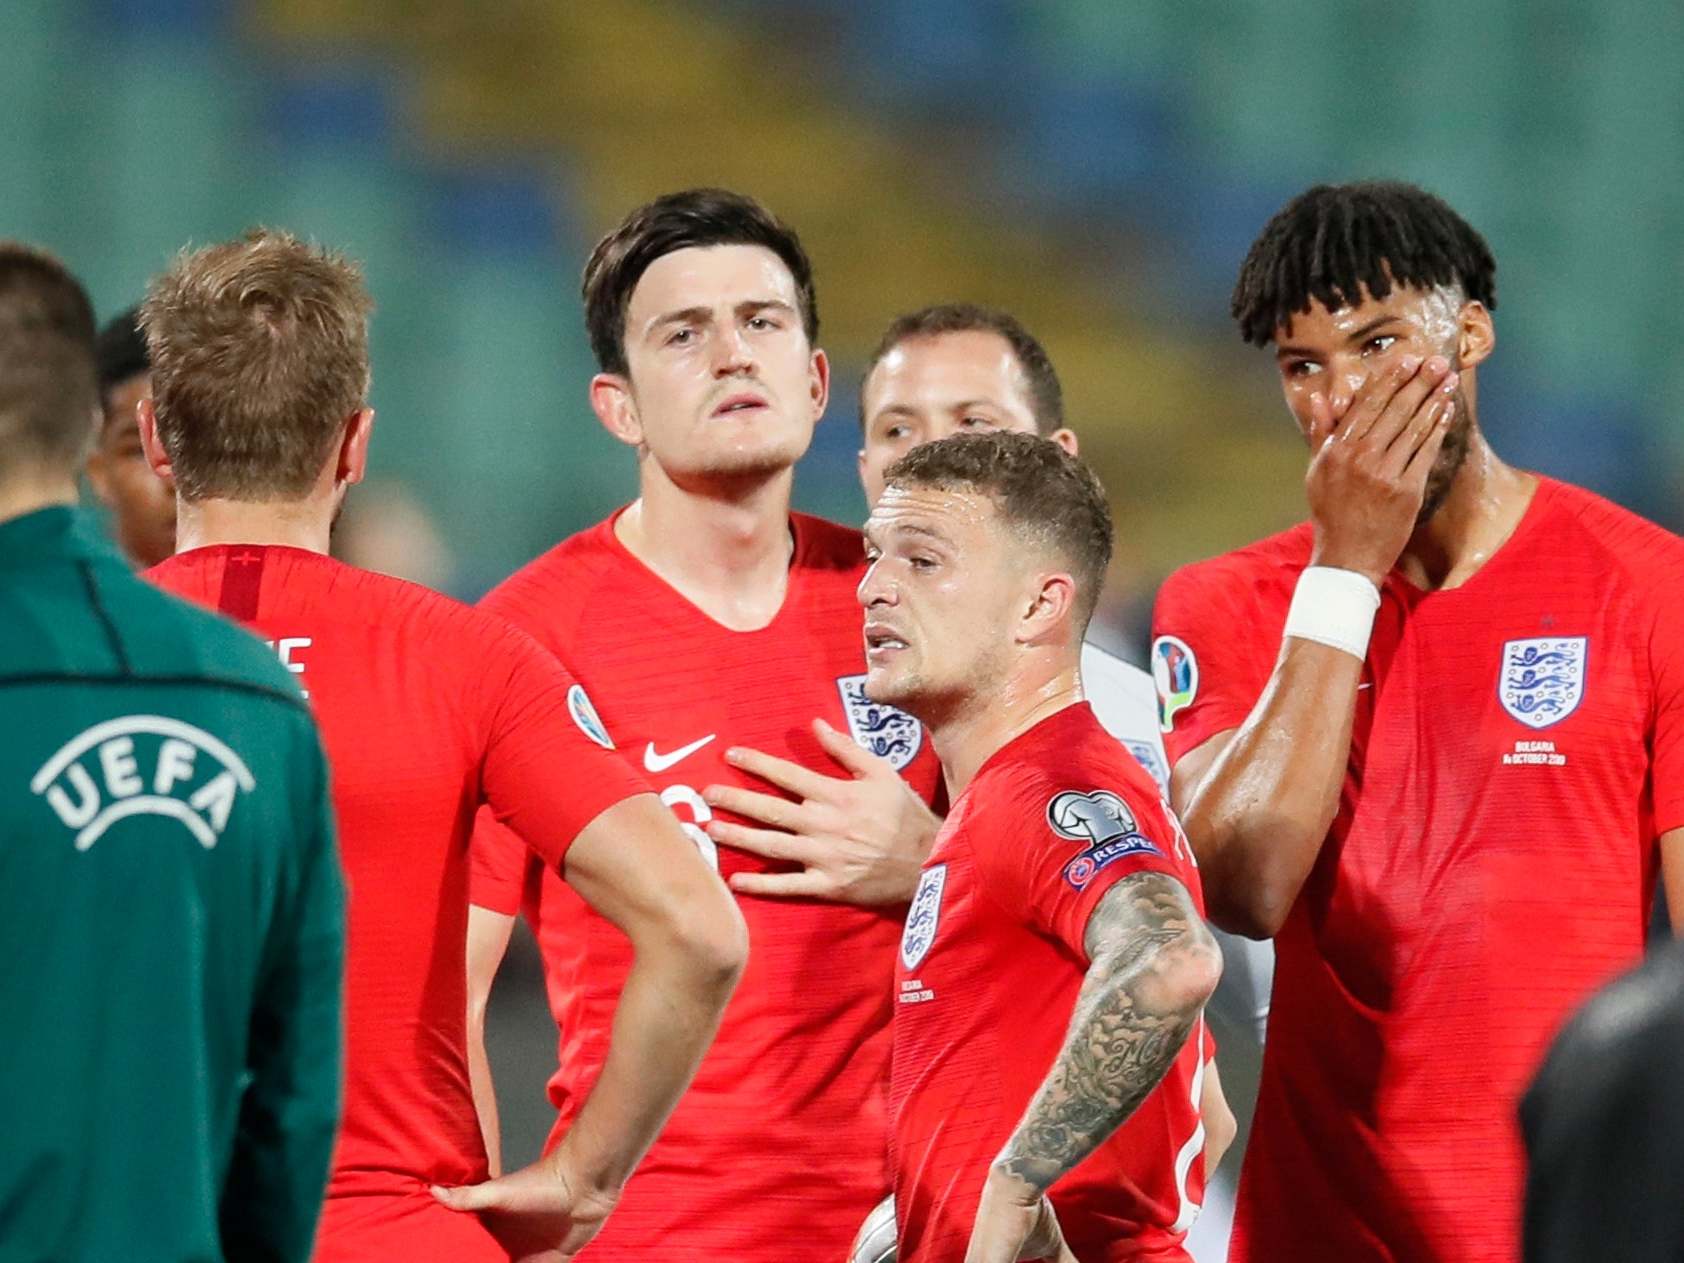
x,y
1153,966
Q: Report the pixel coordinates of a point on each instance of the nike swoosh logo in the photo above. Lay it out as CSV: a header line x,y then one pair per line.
x,y
653,762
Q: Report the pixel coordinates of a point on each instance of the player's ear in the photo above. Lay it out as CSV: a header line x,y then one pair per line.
x,y
611,400
1476,335
150,444
818,380
353,447
1065,437
1051,606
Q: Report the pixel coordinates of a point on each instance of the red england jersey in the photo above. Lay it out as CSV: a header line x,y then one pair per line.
x,y
778,1150
1518,746
991,961
427,709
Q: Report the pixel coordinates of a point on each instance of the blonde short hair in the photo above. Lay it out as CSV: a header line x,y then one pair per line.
x,y
259,356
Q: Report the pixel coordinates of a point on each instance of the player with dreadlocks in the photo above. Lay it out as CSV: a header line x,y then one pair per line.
x,y
1442,764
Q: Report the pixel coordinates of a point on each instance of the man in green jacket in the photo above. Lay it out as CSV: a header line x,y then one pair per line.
x,y
170,899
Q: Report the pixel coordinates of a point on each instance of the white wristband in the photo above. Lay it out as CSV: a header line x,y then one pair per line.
x,y
1334,607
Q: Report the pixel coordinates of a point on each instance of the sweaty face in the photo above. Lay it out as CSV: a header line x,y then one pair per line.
x,y
938,593
1335,354
142,504
722,379
927,388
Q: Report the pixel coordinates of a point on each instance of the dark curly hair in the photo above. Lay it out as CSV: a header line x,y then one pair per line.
x,y
1332,242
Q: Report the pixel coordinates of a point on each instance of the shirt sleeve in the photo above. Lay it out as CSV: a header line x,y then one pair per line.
x,y
284,1139
498,866
550,768
1666,655
1065,847
1209,663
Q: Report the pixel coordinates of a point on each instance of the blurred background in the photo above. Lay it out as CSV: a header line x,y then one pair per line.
x,y
1098,167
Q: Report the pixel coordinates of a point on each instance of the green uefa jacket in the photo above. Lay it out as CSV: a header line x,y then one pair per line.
x,y
171,922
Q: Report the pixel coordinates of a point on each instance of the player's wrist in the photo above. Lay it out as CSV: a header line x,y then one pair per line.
x,y
590,1179
1356,560
1006,1183
1334,606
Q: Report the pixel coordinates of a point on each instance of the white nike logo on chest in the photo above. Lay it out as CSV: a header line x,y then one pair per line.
x,y
653,762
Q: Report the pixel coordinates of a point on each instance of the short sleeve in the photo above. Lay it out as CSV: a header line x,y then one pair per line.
x,y
498,866
1066,846
1211,659
550,767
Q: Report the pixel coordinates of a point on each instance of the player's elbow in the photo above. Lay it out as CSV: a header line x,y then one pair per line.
x,y
1245,892
1250,912
1254,855
1192,968
706,933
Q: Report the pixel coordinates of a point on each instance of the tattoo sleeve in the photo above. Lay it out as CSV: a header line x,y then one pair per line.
x,y
1153,965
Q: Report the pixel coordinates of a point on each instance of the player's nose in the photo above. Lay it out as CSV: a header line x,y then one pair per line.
x,y
732,355
874,586
1347,385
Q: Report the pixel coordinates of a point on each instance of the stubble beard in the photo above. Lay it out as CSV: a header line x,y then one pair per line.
x,y
748,466
900,686
752,462
1452,454
909,689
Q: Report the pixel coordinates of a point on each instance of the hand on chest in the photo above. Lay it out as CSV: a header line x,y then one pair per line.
x,y
684,747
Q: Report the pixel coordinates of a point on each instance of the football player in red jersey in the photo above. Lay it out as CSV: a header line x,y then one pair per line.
x,y
1441,762
957,368
732,652
427,709
1055,963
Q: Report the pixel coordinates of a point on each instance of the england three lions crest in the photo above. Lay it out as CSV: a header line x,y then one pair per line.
x,y
888,733
1543,678
923,916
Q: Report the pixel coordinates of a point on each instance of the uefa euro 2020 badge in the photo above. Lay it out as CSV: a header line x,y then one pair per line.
x,y
1101,819
1175,673
1543,678
584,714
888,733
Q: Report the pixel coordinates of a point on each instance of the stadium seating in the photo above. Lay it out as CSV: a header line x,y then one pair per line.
x,y
1086,164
